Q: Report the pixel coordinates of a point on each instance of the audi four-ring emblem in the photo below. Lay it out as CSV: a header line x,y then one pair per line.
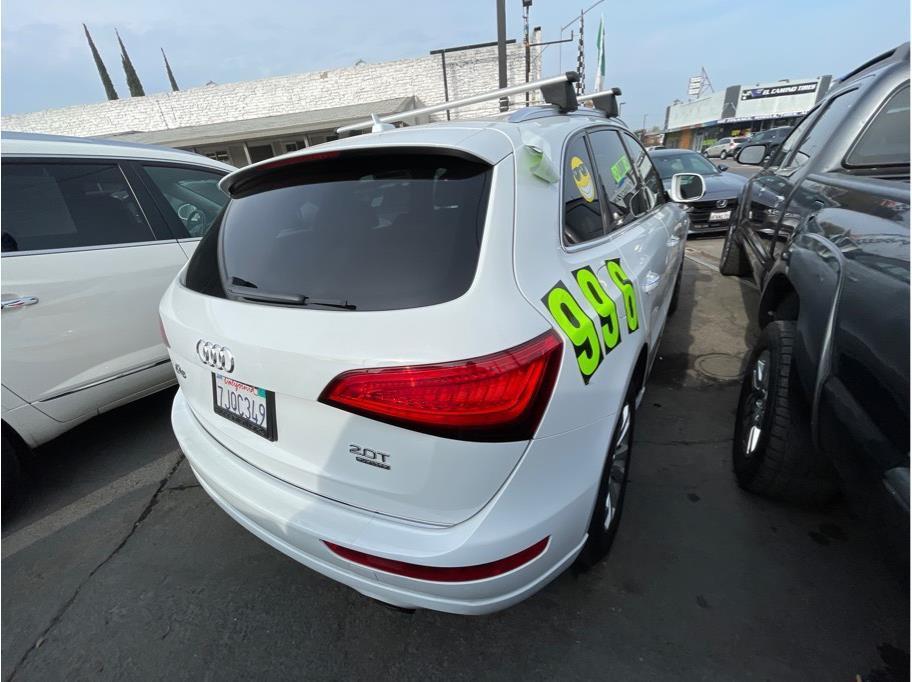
x,y
215,355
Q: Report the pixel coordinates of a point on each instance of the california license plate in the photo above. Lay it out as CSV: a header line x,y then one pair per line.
x,y
249,406
719,215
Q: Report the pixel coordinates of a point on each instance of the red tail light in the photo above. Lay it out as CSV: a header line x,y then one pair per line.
x,y
161,329
443,574
499,397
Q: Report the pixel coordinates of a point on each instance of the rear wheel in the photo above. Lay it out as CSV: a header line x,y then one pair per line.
x,y
722,154
609,502
733,260
772,449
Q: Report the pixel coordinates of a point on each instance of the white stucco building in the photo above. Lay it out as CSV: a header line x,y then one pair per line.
x,y
249,121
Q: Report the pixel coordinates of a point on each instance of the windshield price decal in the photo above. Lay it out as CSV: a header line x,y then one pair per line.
x,y
579,328
620,168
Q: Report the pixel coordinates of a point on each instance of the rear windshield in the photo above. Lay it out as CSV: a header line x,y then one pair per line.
x,y
356,233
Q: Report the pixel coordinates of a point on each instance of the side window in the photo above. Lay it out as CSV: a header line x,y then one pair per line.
x,y
582,208
822,129
885,142
794,137
192,197
618,178
68,205
652,192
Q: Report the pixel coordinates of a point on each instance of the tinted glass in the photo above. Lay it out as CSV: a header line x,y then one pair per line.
x,y
823,128
794,137
68,205
652,191
582,207
885,142
685,162
193,196
374,232
618,178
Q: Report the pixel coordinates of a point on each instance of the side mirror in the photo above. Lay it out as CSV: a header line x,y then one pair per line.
x,y
722,167
752,155
687,187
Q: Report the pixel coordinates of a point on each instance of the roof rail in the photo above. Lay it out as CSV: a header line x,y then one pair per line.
x,y
557,90
898,53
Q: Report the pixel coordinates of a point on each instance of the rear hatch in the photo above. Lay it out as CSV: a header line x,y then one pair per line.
x,y
366,259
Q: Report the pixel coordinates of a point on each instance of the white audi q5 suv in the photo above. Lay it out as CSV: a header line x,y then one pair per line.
x,y
410,360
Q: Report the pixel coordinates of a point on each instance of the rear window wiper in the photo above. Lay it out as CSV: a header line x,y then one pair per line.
x,y
250,291
330,303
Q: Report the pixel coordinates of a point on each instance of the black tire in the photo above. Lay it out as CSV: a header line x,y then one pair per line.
x,y
676,292
10,470
733,261
602,529
772,449
722,155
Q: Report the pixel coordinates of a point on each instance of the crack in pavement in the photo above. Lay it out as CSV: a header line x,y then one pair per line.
x,y
153,500
185,486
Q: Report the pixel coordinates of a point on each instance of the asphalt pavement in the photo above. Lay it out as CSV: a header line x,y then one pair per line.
x,y
118,566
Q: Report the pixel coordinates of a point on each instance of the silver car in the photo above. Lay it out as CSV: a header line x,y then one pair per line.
x,y
725,147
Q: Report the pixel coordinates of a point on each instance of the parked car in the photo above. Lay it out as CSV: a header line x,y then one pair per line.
x,y
823,229
411,361
93,233
712,214
770,136
725,147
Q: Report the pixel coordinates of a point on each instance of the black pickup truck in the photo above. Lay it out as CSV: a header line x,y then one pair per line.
x,y
823,229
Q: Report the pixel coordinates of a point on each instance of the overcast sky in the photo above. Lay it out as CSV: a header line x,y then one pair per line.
x,y
653,47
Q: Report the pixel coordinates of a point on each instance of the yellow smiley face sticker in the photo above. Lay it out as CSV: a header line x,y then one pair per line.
x,y
582,178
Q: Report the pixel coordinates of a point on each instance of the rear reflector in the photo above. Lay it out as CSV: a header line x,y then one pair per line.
x,y
498,397
442,574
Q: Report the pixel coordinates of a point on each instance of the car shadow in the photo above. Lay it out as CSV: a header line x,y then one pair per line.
x,y
92,455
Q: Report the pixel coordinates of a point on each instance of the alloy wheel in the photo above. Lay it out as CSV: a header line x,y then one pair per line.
x,y
618,470
756,403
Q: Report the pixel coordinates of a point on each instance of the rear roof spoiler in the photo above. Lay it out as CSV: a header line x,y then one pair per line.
x,y
235,183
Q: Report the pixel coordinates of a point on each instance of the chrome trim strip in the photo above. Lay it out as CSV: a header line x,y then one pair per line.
x,y
92,384
96,247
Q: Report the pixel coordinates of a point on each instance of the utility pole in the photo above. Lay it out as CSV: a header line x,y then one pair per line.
x,y
526,5
502,51
581,60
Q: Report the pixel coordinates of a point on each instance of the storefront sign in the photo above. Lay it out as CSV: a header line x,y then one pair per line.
x,y
779,91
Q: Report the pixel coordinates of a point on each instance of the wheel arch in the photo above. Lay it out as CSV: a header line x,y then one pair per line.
x,y
780,300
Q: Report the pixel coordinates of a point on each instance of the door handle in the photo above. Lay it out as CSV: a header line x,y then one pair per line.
x,y
673,240
18,302
652,281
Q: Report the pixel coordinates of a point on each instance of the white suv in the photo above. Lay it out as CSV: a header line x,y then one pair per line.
x,y
412,358
93,233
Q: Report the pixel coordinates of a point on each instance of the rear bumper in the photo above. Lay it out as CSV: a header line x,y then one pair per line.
x,y
296,522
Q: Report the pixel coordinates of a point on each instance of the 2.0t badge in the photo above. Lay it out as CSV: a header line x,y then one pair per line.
x,y
368,456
